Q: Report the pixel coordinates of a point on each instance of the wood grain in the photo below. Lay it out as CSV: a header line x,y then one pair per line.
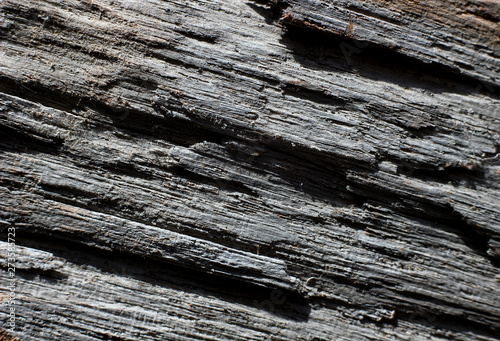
x,y
231,170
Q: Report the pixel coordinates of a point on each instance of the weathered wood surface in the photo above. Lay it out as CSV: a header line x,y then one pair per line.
x,y
458,35
231,170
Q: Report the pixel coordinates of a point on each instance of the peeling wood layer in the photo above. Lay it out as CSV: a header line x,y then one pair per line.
x,y
462,36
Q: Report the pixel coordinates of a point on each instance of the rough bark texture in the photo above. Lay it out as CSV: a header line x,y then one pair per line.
x,y
231,170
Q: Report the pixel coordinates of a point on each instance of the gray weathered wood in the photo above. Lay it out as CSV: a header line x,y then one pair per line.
x,y
231,170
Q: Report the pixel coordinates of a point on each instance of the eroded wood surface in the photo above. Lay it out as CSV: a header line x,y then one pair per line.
x,y
231,170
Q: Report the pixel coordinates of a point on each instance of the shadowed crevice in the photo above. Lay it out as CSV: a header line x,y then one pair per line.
x,y
329,52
